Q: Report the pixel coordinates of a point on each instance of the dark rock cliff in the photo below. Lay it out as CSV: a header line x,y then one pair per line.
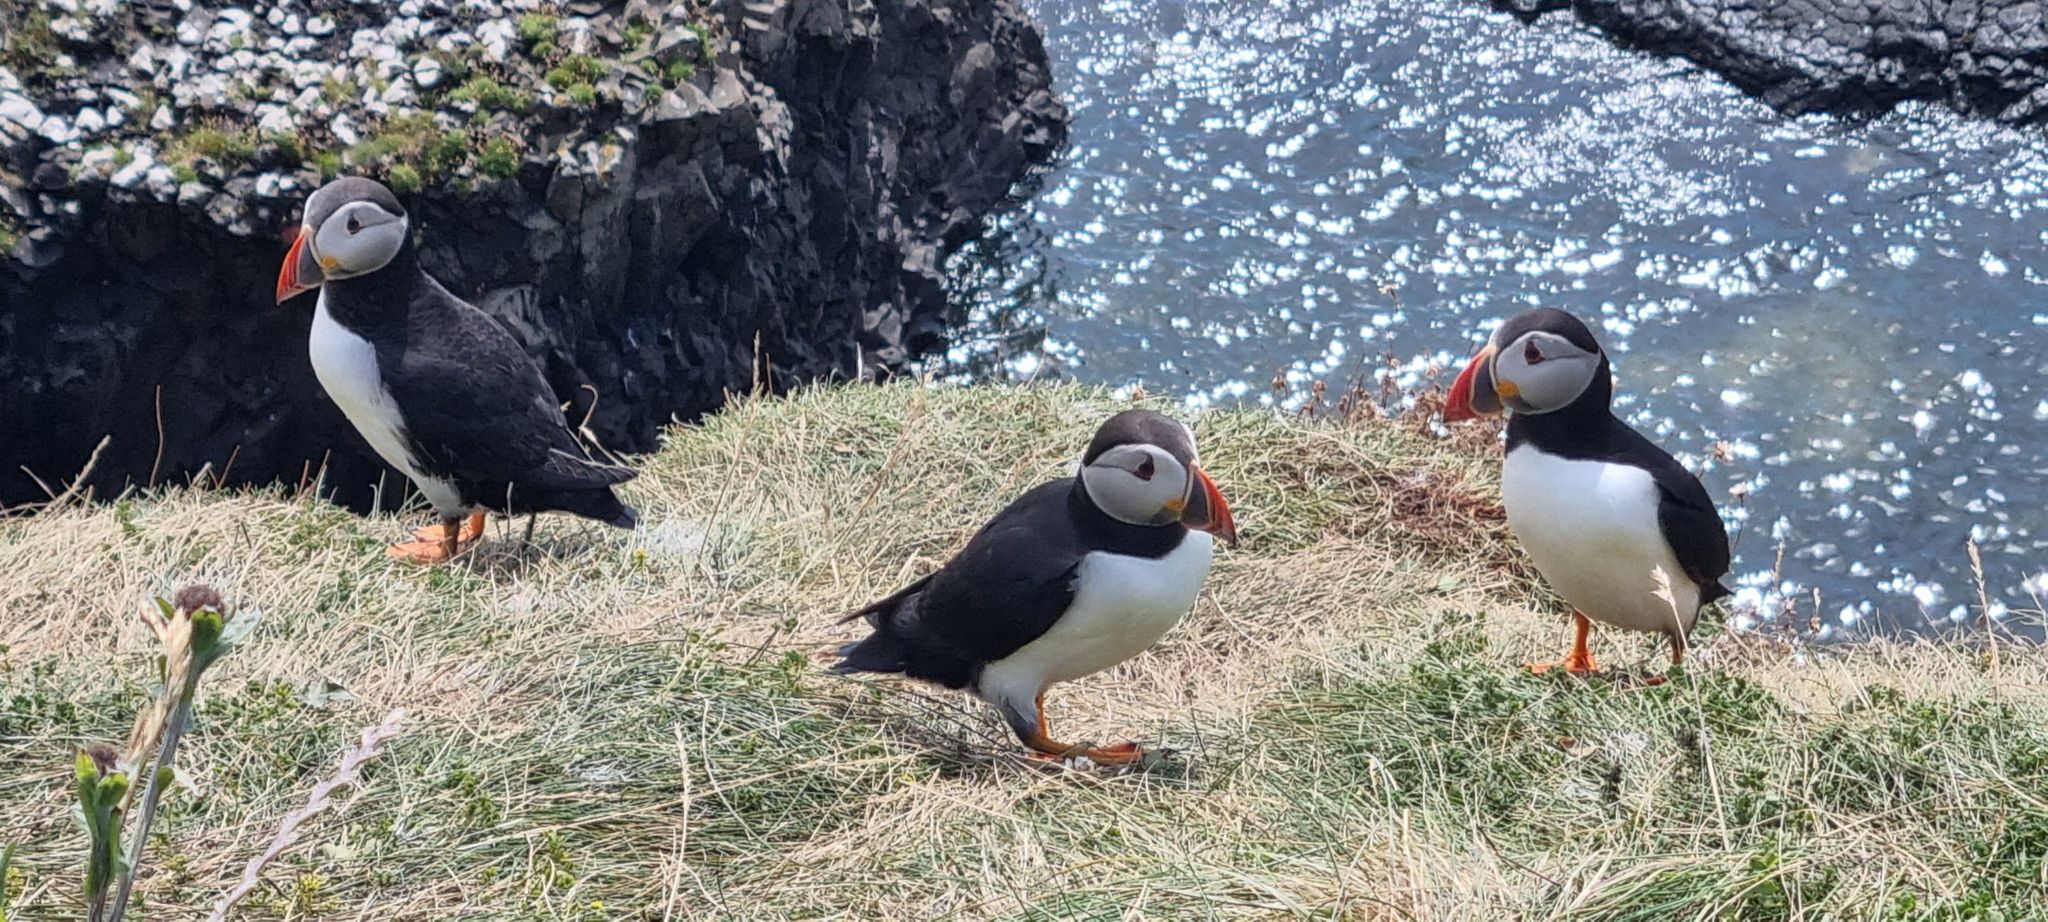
x,y
666,201
1988,57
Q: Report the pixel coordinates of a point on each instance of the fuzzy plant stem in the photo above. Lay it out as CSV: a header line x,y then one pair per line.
x,y
159,772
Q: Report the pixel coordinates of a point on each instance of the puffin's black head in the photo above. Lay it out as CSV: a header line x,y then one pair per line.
x,y
1141,468
352,227
1539,361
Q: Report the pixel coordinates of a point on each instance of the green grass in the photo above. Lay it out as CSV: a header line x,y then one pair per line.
x,y
491,96
500,158
638,725
32,49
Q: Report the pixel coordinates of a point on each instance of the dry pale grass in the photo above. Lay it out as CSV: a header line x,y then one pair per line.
x,y
614,726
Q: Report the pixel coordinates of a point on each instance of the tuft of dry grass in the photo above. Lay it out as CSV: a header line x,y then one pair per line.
x,y
636,726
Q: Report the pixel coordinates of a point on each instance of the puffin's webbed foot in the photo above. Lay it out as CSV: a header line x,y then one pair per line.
x,y
1580,660
439,543
472,529
1045,747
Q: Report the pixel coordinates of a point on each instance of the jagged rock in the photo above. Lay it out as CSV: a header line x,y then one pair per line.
x,y
1988,57
772,219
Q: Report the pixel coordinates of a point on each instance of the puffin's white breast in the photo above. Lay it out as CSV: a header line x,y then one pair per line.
x,y
346,365
1591,528
1122,605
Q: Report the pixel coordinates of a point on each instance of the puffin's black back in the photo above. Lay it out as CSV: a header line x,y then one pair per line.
x,y
476,408
1007,587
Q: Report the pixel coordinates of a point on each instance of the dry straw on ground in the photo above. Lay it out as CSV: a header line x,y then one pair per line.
x,y
614,726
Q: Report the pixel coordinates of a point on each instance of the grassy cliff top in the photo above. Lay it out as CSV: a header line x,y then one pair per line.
x,y
637,726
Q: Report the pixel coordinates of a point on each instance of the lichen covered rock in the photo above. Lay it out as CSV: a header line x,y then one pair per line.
x,y
665,201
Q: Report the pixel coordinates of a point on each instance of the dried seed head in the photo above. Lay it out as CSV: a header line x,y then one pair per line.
x,y
103,757
197,596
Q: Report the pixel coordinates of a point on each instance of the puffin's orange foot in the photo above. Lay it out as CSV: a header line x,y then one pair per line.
x,y
1572,665
1119,754
472,529
435,551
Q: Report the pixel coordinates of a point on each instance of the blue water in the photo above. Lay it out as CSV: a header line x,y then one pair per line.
x,y
1844,320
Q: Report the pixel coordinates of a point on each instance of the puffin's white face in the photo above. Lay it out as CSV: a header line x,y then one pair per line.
x,y
1141,484
357,239
1540,372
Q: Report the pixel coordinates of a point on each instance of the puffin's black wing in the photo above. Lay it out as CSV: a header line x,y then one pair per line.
x,y
476,408
1002,591
1686,516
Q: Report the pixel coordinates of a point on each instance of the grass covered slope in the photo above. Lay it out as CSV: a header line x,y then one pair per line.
x,y
638,726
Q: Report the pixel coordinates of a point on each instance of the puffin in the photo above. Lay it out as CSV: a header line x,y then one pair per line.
x,y
1613,522
439,389
1075,576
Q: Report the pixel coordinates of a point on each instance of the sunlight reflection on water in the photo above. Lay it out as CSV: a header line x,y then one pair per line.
x,y
1850,310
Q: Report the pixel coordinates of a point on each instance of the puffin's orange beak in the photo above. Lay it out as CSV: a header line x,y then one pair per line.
x,y
1206,510
1473,394
301,272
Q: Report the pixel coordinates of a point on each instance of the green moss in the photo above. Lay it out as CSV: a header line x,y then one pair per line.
x,y
680,72
227,145
337,90
538,28
403,179
489,95
32,49
184,172
583,94
290,147
416,144
329,163
500,158
636,34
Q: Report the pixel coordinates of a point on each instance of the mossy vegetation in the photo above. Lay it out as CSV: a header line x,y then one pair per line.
x,y
641,722
489,95
31,48
500,158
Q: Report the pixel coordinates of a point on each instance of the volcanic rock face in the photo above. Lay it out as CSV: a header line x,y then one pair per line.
x,y
665,201
1988,57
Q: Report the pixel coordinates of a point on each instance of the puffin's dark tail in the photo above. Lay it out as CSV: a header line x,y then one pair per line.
x,y
885,650
880,651
600,504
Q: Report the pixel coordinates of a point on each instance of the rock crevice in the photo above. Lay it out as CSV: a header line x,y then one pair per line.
x,y
665,201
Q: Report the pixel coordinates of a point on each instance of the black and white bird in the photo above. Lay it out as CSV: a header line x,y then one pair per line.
x,y
437,387
1074,577
1613,522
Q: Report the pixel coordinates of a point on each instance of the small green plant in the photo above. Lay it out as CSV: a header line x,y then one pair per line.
x,y
329,164
538,28
500,158
490,95
6,878
184,172
32,49
404,180
636,33
338,90
680,72
583,94
221,145
196,630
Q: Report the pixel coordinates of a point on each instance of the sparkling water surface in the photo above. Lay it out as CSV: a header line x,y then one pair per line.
x,y
1843,321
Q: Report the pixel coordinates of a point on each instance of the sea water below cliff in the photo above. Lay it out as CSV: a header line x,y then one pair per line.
x,y
1842,317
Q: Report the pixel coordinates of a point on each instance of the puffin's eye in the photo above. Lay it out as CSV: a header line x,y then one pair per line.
x,y
1144,470
354,225
1530,354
